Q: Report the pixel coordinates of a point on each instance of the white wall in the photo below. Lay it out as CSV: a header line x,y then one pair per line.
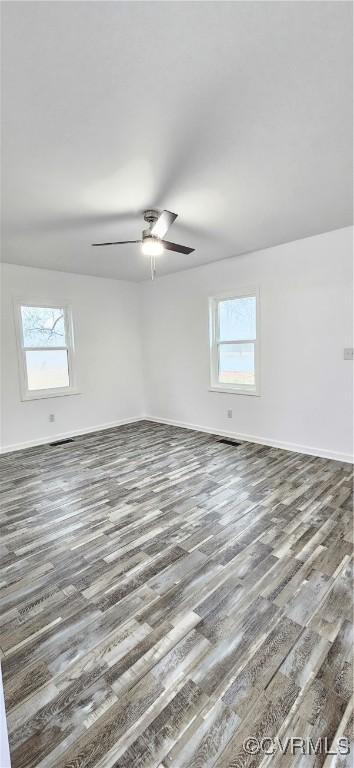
x,y
108,355
306,321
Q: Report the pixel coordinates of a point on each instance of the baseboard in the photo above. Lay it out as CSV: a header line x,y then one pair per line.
x,y
72,433
305,449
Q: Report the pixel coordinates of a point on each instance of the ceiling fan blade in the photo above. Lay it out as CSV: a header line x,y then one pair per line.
x,y
163,223
119,242
175,247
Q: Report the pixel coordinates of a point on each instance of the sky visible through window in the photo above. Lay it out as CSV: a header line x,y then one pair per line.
x,y
237,322
45,327
237,319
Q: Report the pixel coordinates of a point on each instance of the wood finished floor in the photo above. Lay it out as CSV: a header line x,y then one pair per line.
x,y
164,596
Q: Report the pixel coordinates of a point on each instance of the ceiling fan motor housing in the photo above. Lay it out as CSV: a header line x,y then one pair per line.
x,y
150,216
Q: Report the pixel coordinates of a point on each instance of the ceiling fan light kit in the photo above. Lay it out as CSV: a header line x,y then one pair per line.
x,y
152,246
152,243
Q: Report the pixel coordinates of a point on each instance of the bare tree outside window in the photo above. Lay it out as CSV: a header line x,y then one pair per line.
x,y
45,349
43,327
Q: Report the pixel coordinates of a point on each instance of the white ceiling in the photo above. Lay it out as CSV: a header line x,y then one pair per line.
x,y
235,115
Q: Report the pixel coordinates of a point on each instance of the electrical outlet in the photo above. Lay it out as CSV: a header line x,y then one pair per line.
x,y
348,353
229,413
51,417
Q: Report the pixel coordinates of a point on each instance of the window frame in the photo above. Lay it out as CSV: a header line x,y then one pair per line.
x,y
39,394
214,341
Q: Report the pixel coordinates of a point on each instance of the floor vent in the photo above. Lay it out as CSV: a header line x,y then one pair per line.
x,y
61,442
226,441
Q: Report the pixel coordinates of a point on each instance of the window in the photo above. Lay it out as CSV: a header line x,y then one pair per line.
x,y
233,343
46,351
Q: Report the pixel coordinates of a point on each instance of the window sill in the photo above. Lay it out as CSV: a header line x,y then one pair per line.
x,y
45,393
234,391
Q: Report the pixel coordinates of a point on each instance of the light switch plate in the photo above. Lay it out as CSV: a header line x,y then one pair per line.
x,y
348,353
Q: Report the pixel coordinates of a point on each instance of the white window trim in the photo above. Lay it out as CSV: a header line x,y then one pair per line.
x,y
39,394
215,385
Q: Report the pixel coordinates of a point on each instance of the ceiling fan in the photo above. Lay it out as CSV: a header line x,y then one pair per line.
x,y
152,243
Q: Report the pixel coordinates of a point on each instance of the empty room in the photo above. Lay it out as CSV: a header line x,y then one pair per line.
x,y
176,469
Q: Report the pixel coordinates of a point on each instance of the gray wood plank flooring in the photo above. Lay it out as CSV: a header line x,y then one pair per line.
x,y
164,596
